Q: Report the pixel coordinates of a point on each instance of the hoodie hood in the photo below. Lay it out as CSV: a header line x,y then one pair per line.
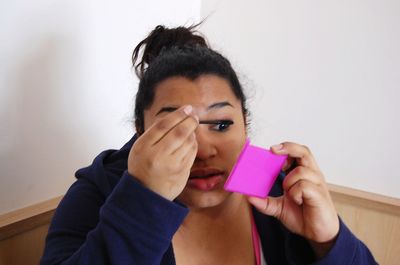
x,y
107,168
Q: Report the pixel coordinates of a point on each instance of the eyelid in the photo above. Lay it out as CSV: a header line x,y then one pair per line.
x,y
216,125
216,122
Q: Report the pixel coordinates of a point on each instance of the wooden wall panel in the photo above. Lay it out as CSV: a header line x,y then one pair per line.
x,y
25,248
375,219
23,233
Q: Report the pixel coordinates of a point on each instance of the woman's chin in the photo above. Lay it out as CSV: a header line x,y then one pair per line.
x,y
199,199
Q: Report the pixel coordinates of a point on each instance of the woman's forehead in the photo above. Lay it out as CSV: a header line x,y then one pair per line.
x,y
200,92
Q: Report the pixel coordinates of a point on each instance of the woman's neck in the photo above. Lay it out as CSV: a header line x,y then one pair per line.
x,y
234,206
217,235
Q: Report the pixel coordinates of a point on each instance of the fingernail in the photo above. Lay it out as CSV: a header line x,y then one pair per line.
x,y
277,147
196,117
188,109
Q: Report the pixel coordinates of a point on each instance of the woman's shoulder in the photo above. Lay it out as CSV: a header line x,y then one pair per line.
x,y
94,184
106,169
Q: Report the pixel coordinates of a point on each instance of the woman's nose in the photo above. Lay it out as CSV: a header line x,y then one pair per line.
x,y
205,146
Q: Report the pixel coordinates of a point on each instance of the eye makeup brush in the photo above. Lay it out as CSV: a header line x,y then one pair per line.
x,y
227,122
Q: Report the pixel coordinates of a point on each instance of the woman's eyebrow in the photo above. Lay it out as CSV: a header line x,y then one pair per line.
x,y
166,109
216,105
219,105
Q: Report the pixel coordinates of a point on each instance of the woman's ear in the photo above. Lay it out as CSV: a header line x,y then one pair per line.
x,y
246,123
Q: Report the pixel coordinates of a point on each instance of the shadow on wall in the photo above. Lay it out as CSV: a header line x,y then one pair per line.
x,y
42,149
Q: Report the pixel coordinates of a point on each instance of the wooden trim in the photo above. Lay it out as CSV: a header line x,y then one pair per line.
x,y
27,218
375,219
30,217
364,195
365,199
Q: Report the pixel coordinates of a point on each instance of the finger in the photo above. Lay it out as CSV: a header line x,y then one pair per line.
x,y
301,153
319,213
305,191
178,135
270,206
190,156
302,173
161,127
188,146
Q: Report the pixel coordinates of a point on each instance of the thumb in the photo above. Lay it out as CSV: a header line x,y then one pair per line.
x,y
270,206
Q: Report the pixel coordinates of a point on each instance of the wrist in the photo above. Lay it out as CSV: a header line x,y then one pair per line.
x,y
154,187
322,249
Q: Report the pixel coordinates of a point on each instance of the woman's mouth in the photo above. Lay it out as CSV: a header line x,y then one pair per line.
x,y
205,179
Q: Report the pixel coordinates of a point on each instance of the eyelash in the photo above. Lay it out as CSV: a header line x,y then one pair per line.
x,y
224,123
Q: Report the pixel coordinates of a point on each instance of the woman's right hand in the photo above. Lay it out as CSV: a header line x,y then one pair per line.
x,y
161,158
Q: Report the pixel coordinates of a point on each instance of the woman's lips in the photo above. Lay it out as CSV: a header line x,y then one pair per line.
x,y
205,184
205,179
204,172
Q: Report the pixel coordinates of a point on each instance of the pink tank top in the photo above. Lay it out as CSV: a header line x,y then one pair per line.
x,y
256,241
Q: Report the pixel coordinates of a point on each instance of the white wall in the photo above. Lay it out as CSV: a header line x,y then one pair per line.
x,y
66,86
322,73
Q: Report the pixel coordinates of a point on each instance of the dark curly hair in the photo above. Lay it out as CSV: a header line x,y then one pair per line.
x,y
181,52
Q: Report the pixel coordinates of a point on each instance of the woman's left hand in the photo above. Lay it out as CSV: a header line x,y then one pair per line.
x,y
306,207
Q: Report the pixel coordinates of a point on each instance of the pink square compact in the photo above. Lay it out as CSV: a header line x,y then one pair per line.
x,y
255,171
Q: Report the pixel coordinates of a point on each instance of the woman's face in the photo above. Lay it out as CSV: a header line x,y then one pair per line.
x,y
218,145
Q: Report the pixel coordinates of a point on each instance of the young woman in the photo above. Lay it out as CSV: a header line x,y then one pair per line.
x,y
160,198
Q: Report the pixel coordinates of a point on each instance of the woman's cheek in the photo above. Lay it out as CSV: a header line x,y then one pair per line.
x,y
232,149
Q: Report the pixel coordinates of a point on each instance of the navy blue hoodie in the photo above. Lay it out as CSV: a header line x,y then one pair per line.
x,y
107,217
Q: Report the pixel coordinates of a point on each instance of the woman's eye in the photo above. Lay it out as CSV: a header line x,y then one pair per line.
x,y
222,125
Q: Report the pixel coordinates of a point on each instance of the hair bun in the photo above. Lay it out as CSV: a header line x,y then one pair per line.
x,y
162,38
